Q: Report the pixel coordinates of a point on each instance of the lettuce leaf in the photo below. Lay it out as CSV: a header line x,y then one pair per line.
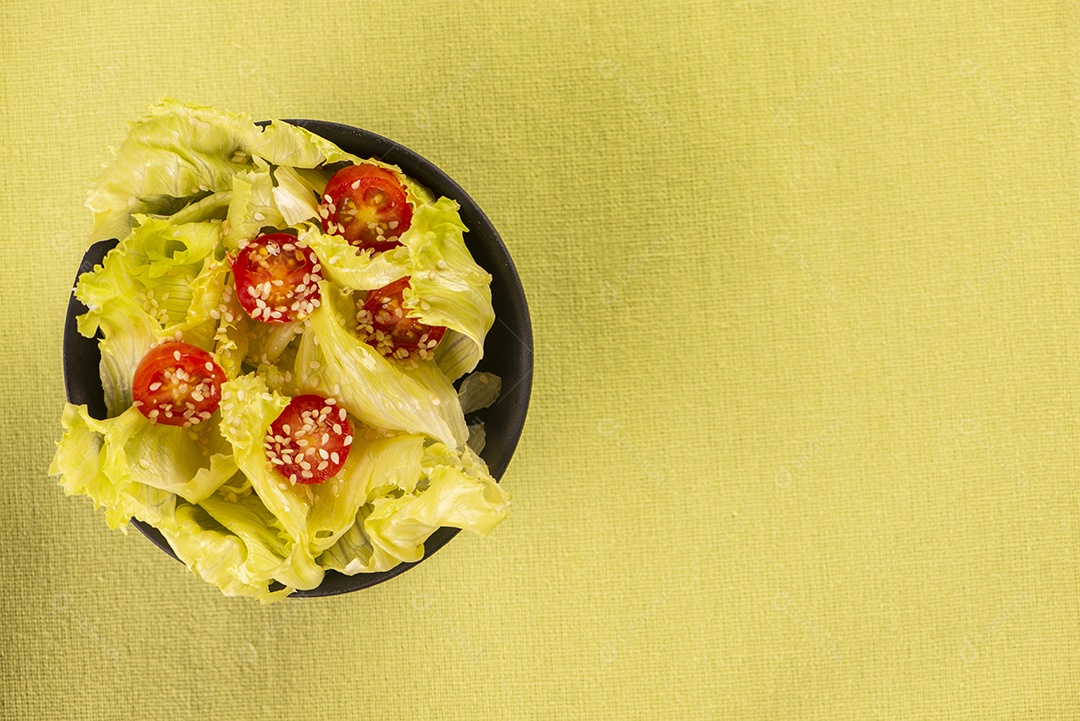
x,y
144,291
217,555
447,287
251,208
347,267
432,486
333,361
174,153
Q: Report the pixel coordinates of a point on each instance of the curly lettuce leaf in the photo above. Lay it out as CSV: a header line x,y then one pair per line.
x,y
145,290
215,554
282,143
251,208
133,468
172,156
347,267
447,287
333,361
355,553
459,494
297,199
416,489
121,313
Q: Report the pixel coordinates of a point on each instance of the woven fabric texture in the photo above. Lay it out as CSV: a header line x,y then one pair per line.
x,y
803,443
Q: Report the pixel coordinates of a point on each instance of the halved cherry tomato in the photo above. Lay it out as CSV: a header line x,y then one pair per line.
x,y
384,324
277,280
177,384
310,440
367,206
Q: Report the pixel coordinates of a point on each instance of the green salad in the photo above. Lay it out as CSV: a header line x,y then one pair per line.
x,y
282,324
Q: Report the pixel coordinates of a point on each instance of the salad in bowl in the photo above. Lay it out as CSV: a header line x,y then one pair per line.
x,y
288,336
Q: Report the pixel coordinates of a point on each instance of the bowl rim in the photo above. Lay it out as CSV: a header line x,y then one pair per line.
x,y
482,233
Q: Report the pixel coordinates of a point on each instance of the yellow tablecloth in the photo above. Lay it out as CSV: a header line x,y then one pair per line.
x,y
803,442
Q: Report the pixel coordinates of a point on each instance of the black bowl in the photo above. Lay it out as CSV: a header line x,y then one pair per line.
x,y
508,351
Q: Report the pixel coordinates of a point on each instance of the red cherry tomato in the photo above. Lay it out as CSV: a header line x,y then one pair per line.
x,y
277,281
177,384
366,205
310,440
382,323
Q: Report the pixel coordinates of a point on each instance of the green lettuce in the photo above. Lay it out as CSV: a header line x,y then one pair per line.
x,y
146,290
251,208
418,488
174,155
446,286
216,554
333,361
